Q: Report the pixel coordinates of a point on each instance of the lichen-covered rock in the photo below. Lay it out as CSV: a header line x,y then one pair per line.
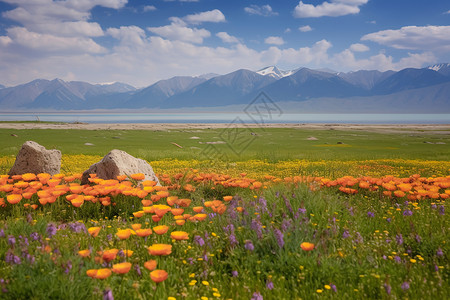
x,y
119,162
34,158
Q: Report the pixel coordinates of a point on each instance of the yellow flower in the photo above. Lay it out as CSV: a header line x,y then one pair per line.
x,y
413,260
319,291
204,282
327,287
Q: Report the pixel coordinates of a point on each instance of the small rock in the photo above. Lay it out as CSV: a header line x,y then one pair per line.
x,y
117,163
34,158
88,144
194,138
14,135
340,143
312,138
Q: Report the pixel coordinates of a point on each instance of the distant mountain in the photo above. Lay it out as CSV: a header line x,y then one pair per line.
x,y
365,79
155,95
409,90
443,69
274,72
408,79
230,89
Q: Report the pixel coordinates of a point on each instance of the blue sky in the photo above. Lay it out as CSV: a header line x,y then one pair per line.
x,y
142,41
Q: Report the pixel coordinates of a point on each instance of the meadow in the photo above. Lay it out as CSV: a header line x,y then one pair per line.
x,y
278,213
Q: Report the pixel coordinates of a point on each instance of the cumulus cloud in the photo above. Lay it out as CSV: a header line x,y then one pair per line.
x,y
226,38
359,47
214,16
177,31
149,8
335,8
413,38
305,28
263,10
274,40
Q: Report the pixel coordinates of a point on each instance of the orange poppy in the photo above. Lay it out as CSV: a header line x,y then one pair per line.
x,y
138,176
307,246
200,217
227,198
14,198
143,232
103,273
93,231
92,273
160,249
161,229
158,275
197,209
123,234
121,268
78,201
110,254
177,211
179,235
138,214
150,265
180,222
84,253
28,176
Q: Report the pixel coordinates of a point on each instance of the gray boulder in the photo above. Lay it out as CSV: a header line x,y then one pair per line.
x,y
119,162
34,158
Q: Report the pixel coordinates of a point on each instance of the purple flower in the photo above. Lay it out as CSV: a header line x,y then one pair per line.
x,y
285,225
138,269
387,288
288,204
333,287
269,285
439,252
345,234
397,259
2,233
418,238
77,227
257,296
229,228
256,226
68,267
233,240
370,214
279,237
407,212
29,219
388,220
51,230
109,237
199,241
405,286
34,236
11,240
121,253
433,206
234,273
399,239
249,245
107,295
359,239
441,210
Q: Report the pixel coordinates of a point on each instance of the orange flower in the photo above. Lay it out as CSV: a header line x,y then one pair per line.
x,y
179,235
103,273
92,273
121,177
146,202
136,226
78,201
184,202
197,209
143,232
180,222
28,176
150,265
158,275
84,253
14,198
307,246
110,254
138,176
93,231
123,234
177,211
160,249
121,268
227,198
200,217
161,229
138,214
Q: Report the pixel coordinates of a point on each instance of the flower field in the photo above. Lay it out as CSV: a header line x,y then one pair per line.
x,y
244,230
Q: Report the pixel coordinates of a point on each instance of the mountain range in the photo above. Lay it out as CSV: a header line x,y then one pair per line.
x,y
407,91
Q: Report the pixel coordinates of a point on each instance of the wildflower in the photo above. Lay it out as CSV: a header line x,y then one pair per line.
x,y
257,296
34,236
418,238
269,285
345,234
407,212
161,229
399,239
103,273
439,252
51,230
405,286
121,268
370,214
123,234
333,287
158,275
108,295
160,249
2,233
441,210
11,240
179,235
93,231
150,265
285,225
199,241
397,259
249,245
256,226
234,273
84,253
307,246
387,288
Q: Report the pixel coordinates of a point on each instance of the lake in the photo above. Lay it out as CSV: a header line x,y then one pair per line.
x,y
229,117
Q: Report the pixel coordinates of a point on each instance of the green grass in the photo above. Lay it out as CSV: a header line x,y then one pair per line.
x,y
269,144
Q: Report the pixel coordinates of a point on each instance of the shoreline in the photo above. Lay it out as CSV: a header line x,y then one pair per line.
x,y
387,128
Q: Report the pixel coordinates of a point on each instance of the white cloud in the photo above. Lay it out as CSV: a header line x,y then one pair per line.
x,y
287,30
263,10
132,36
214,16
335,8
176,31
305,28
149,8
424,38
359,47
447,12
274,40
226,38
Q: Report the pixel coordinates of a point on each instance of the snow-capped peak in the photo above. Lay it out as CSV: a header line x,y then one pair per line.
x,y
437,67
274,72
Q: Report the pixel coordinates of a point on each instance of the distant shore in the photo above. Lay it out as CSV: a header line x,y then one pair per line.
x,y
393,128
